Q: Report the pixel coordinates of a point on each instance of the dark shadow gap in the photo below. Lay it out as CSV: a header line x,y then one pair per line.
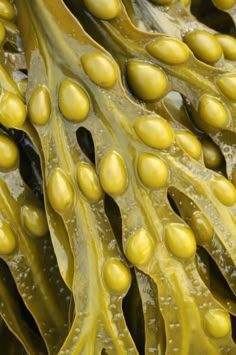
x,y
133,313
212,277
9,342
233,322
29,164
24,71
207,13
25,313
218,284
9,47
113,214
30,167
172,203
85,141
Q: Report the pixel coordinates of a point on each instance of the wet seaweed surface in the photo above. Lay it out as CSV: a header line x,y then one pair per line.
x,y
117,177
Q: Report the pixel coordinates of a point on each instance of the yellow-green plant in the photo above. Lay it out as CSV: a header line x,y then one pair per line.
x,y
137,149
